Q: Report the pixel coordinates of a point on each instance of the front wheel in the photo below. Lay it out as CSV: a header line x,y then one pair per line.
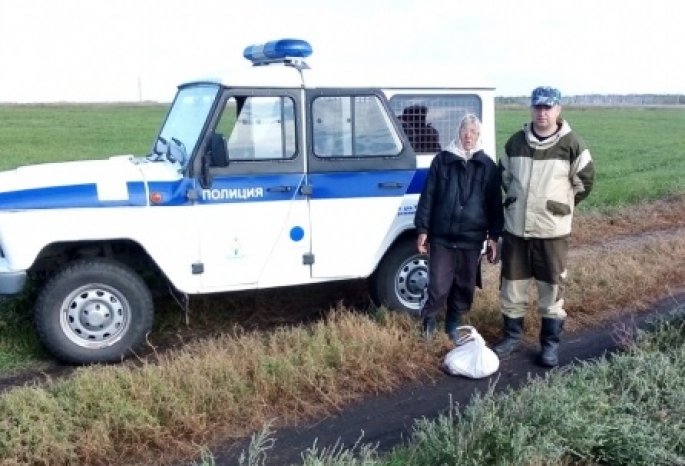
x,y
400,279
94,311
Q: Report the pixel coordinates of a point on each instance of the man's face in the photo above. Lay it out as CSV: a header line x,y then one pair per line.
x,y
545,117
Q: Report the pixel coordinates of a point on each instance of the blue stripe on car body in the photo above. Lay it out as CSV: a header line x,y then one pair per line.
x,y
227,189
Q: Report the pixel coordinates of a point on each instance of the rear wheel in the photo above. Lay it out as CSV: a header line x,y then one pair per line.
x,y
94,311
400,279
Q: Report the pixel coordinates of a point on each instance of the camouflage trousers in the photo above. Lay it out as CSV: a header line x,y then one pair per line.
x,y
534,259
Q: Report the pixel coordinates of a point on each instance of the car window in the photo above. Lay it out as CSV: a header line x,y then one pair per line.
x,y
259,127
353,126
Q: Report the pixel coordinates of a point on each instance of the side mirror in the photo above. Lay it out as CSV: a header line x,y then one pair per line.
x,y
218,150
161,146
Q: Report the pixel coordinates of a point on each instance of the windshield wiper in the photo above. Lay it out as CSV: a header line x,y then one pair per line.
x,y
164,151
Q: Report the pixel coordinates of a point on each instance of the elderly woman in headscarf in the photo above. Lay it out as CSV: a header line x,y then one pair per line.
x,y
459,210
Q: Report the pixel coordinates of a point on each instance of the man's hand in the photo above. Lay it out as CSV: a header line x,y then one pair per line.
x,y
421,243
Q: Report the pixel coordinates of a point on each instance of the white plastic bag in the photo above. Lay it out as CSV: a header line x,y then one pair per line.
x,y
471,357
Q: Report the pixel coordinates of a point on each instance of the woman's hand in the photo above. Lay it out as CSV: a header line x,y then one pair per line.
x,y
491,252
421,243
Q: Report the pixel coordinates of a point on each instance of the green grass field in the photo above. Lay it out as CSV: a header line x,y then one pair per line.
x,y
47,133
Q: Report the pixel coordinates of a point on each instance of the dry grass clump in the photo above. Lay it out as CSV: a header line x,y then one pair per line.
x,y
602,225
231,386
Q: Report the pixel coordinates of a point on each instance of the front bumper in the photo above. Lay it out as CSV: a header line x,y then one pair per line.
x,y
11,281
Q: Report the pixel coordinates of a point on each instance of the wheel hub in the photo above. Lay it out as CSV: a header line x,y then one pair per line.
x,y
95,315
417,280
411,280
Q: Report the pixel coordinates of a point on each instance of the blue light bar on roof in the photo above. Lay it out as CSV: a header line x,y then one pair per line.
x,y
277,50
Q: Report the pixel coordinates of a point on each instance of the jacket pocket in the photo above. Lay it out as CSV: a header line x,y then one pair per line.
x,y
558,208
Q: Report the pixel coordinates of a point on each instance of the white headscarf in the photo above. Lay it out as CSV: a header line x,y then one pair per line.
x,y
455,145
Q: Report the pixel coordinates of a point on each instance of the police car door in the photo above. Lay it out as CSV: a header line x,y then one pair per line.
x,y
358,173
252,211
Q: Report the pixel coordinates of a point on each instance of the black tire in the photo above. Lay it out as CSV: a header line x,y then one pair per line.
x,y
94,311
400,278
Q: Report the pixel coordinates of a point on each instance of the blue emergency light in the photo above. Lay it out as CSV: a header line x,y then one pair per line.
x,y
277,50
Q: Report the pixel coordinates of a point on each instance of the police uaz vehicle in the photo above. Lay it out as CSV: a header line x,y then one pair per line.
x,y
274,176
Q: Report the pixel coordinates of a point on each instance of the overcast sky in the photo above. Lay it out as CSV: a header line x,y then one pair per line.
x,y
127,50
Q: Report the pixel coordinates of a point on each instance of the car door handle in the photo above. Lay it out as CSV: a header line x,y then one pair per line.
x,y
279,189
391,185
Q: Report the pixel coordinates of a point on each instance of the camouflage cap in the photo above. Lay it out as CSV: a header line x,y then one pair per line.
x,y
545,95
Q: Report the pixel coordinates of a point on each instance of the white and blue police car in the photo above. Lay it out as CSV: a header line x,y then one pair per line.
x,y
277,175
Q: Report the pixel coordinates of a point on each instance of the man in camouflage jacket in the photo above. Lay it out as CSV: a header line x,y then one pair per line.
x,y
546,171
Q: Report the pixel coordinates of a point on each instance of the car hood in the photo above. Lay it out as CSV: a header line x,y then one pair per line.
x,y
122,180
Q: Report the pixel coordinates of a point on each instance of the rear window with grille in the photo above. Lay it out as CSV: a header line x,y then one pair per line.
x,y
431,121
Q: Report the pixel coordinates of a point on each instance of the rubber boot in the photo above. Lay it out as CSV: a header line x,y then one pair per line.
x,y
549,341
429,325
513,333
452,322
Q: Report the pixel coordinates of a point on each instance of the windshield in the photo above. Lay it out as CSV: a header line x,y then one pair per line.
x,y
187,116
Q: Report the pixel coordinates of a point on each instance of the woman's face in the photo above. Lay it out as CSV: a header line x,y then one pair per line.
x,y
468,135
